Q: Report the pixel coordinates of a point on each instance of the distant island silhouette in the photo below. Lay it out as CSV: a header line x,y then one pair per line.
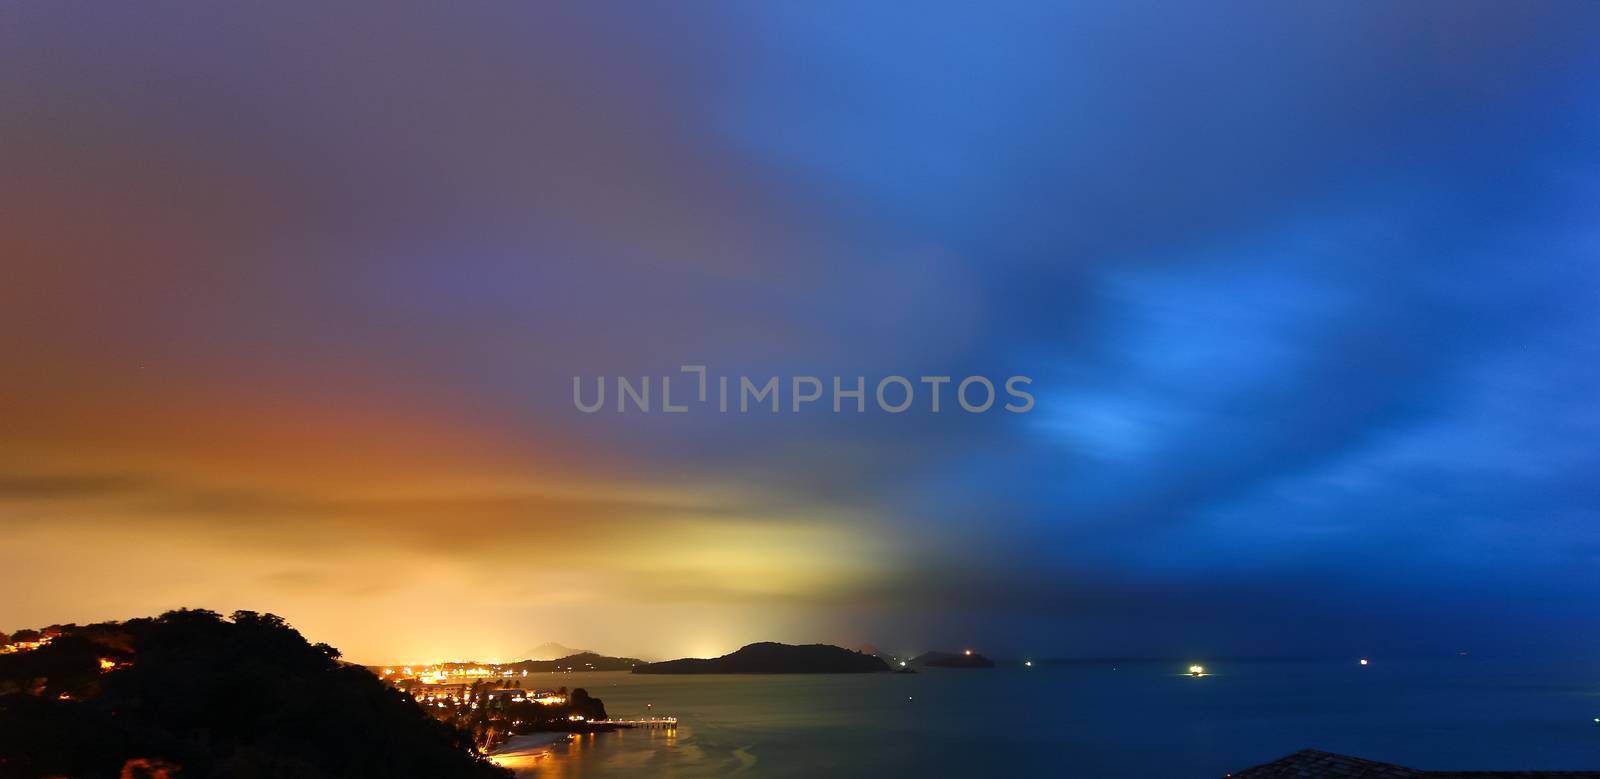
x,y
773,658
952,660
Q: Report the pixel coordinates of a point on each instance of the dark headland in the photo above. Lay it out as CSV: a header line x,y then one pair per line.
x,y
194,694
773,658
1314,764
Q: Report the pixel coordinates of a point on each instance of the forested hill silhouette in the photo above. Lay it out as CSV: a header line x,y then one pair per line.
x,y
193,694
772,658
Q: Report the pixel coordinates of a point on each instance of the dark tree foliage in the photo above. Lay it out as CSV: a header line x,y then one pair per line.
x,y
589,708
242,697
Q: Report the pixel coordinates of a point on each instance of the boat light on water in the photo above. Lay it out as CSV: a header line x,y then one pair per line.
x,y
1196,670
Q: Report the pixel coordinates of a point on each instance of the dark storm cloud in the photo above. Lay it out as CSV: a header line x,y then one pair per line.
x,y
51,487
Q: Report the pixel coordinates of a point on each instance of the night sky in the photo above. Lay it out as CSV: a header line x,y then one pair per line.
x,y
293,296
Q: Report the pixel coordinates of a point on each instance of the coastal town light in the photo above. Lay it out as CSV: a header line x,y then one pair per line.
x,y
968,653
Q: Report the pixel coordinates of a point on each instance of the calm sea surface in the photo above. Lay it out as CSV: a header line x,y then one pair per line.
x,y
1137,719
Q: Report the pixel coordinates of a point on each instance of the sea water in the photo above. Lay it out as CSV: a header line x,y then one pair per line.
x,y
1140,719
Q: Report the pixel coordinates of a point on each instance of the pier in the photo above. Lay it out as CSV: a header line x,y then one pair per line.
x,y
643,722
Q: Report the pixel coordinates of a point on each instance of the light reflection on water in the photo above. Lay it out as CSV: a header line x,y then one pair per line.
x,y
1137,719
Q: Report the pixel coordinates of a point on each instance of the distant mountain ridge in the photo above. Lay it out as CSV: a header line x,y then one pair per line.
x,y
550,650
770,657
583,661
